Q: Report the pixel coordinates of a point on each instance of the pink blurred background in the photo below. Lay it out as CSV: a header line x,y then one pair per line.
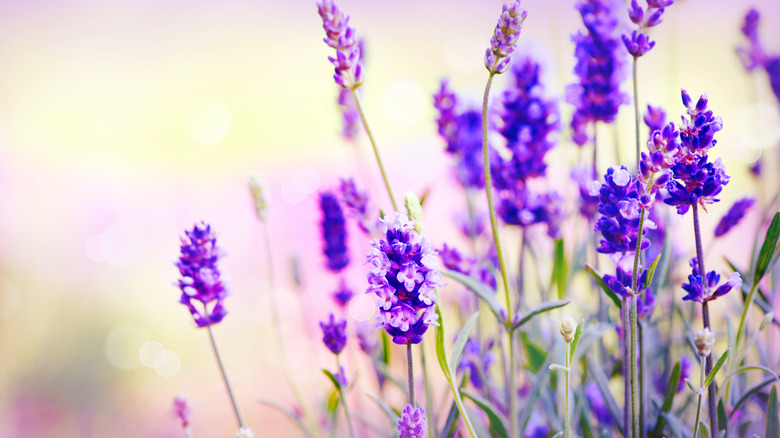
x,y
124,122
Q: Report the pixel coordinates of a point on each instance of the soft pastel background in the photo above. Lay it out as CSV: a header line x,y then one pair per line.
x,y
124,122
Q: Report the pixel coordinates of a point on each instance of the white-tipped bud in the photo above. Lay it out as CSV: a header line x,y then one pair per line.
x,y
414,210
260,195
766,321
568,326
245,432
704,339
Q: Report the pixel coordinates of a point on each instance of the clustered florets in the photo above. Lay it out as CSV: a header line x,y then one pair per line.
x,y
334,333
403,277
412,422
200,278
334,232
638,43
504,39
341,36
701,289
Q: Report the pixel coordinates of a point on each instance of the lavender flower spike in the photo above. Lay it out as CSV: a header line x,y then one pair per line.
x,y
412,423
340,36
733,216
504,39
638,43
200,276
703,289
182,410
334,333
334,232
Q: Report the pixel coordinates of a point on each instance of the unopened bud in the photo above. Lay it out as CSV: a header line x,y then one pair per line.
x,y
567,329
704,339
766,321
260,195
245,432
414,210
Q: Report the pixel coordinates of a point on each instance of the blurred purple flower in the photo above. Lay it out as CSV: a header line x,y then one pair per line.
x,y
367,341
403,277
356,201
589,203
454,261
733,216
412,422
504,39
334,333
343,294
655,118
685,372
182,409
334,232
200,277
477,360
597,404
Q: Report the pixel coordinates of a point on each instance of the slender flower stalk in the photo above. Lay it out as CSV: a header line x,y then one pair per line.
x,y
702,373
410,373
344,400
225,378
568,327
704,340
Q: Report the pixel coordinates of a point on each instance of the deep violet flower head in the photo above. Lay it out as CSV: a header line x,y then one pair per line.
x,y
685,372
412,422
655,165
702,289
619,207
477,361
357,204
600,68
200,277
334,232
343,294
655,118
733,216
334,333
505,36
597,404
182,409
621,283
453,260
403,277
340,36
348,107
638,43
537,426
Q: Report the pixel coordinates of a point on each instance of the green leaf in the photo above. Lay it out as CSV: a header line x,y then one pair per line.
x,y
767,249
560,268
705,433
441,355
671,390
534,354
497,421
544,307
754,390
603,385
723,421
482,290
772,427
460,341
333,402
575,341
391,415
715,368
288,413
597,277
584,426
332,379
651,270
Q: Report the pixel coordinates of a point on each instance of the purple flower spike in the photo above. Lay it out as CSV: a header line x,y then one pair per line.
x,y
733,216
685,372
655,118
334,333
597,404
340,36
182,410
412,423
403,277
334,232
504,39
200,276
343,294
589,203
356,201
636,13
638,44
702,289
445,100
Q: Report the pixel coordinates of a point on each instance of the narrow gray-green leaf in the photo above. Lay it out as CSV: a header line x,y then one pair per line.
x,y
460,341
772,429
497,422
754,390
560,268
597,277
544,307
603,384
678,430
482,290
767,249
441,354
651,270
723,422
715,368
391,415
671,390
288,413
576,340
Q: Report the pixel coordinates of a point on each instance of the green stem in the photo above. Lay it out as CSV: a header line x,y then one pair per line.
x,y
595,150
624,311
512,394
344,401
701,395
410,373
376,150
567,421
636,113
224,377
634,372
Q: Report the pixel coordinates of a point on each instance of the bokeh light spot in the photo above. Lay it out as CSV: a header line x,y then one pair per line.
x,y
208,122
121,346
167,363
361,307
404,101
149,352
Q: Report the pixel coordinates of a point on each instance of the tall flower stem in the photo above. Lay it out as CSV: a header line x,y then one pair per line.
x,y
224,377
344,401
428,394
632,321
705,314
376,150
636,113
701,395
278,337
567,371
410,373
494,226
627,419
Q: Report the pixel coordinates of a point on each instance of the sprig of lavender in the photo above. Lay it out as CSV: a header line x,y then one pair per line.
x,y
334,336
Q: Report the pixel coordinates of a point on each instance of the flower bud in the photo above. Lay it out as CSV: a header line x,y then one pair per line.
x,y
704,339
766,321
414,210
567,329
260,194
245,432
